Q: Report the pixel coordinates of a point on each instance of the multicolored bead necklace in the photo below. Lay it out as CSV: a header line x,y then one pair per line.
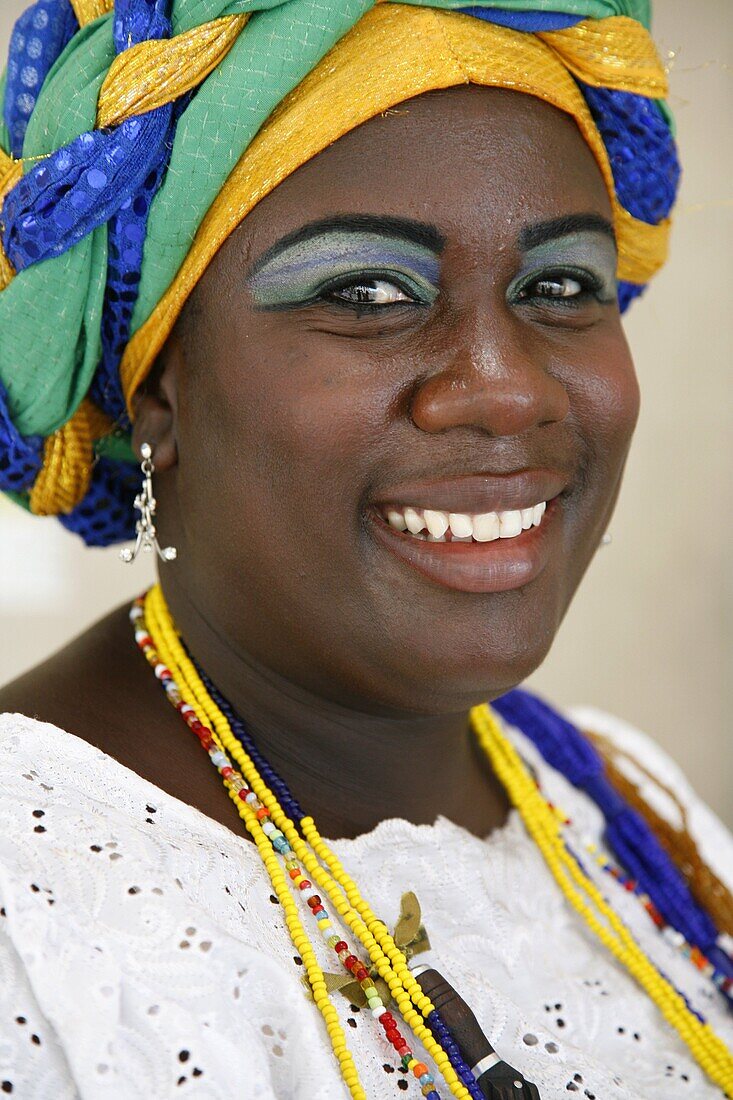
x,y
308,859
689,951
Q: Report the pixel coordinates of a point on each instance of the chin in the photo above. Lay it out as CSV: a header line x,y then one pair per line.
x,y
448,672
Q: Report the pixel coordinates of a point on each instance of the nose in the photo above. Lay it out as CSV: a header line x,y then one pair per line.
x,y
493,382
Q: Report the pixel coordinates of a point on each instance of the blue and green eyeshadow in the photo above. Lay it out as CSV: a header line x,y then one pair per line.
x,y
307,270
588,257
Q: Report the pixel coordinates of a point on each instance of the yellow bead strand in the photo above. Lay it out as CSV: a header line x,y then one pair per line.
x,y
541,822
169,648
373,934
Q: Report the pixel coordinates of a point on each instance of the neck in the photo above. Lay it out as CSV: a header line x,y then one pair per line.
x,y
347,768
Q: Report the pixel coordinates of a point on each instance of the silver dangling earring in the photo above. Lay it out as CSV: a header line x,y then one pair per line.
x,y
607,539
145,503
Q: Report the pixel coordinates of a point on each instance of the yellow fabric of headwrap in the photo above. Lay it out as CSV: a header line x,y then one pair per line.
x,y
614,53
86,11
396,52
67,462
161,70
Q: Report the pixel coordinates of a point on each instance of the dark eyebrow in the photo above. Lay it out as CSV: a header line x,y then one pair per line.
x,y
561,227
419,232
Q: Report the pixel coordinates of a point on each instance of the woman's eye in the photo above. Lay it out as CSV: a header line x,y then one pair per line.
x,y
368,292
563,286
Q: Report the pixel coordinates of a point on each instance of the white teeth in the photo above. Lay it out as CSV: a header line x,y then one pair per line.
x,y
436,523
486,527
396,520
433,525
413,521
461,525
510,524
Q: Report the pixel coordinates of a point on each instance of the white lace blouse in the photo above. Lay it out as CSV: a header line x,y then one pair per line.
x,y
143,954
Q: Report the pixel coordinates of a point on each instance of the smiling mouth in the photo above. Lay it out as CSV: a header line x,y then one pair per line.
x,y
434,525
476,551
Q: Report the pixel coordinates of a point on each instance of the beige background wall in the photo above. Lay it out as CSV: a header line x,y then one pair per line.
x,y
650,634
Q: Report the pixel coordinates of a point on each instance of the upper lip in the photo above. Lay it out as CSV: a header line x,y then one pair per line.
x,y
477,493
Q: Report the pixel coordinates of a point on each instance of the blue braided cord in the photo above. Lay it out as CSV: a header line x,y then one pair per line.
x,y
627,292
633,842
451,1048
21,457
525,21
641,149
106,513
289,803
38,39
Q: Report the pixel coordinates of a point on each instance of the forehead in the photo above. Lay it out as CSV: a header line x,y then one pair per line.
x,y
479,163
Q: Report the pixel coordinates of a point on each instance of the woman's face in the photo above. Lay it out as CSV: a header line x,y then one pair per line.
x,y
423,317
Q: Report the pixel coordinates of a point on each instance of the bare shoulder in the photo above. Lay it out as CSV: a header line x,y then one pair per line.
x,y
100,689
87,687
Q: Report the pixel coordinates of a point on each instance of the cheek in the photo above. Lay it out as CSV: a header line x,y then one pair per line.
x,y
301,422
605,401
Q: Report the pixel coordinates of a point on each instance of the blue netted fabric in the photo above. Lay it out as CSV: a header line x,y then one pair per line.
x,y
525,21
21,457
641,149
628,835
626,293
106,514
38,38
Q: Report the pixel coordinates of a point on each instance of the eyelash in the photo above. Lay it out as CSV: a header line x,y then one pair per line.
x,y
324,295
591,287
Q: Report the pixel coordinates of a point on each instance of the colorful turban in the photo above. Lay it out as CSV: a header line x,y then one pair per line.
x,y
137,135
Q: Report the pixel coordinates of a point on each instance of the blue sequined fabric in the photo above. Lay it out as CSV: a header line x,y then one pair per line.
x,y
102,177
38,39
641,150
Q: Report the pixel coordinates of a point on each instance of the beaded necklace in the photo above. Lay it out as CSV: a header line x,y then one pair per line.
x,y
304,852
721,981
628,835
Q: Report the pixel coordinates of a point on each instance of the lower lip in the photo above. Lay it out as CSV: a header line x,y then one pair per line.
x,y
497,566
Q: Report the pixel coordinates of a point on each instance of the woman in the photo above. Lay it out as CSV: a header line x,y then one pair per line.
x,y
357,300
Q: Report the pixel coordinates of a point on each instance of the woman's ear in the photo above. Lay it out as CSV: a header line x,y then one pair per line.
x,y
155,406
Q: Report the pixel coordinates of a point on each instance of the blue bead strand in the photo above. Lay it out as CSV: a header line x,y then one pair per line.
x,y
441,1032
280,788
